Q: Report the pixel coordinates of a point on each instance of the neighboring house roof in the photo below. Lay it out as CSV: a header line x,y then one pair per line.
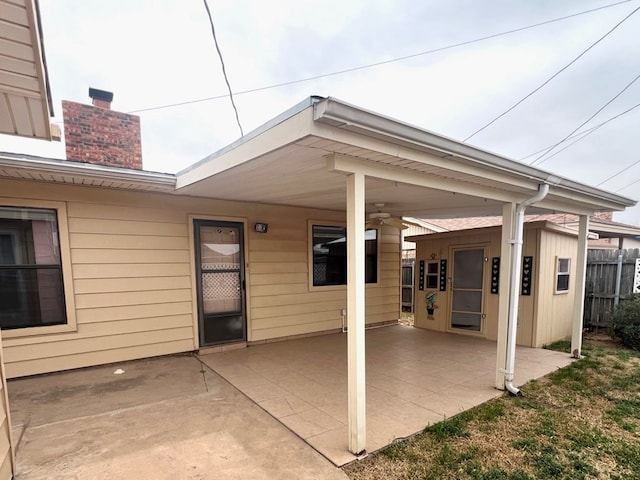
x,y
302,157
603,227
25,98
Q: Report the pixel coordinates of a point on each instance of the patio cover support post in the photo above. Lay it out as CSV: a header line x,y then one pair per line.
x,y
578,299
508,222
356,312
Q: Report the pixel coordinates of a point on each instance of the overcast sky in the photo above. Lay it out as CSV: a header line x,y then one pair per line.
x,y
152,53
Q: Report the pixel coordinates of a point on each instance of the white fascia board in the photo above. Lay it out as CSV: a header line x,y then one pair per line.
x,y
340,114
52,166
283,130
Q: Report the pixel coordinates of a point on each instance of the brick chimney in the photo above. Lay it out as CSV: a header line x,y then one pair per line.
x,y
96,134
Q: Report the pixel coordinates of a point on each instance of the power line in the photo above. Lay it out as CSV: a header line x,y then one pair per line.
x,y
582,135
384,62
538,159
620,172
552,76
224,70
627,186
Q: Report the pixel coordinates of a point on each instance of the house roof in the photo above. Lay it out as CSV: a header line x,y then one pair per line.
x,y
25,98
300,158
604,227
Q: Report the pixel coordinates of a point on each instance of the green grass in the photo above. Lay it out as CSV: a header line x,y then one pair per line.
x,y
581,422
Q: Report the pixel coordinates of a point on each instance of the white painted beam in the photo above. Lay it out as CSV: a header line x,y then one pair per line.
x,y
579,284
356,312
347,165
506,248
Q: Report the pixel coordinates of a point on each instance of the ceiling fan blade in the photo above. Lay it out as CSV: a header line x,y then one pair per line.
x,y
396,223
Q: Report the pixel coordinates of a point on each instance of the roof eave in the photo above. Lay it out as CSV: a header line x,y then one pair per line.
x,y
340,114
134,179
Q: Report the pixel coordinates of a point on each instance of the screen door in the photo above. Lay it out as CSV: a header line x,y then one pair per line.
x,y
467,292
221,283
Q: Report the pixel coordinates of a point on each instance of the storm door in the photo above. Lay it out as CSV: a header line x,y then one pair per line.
x,y
467,299
221,283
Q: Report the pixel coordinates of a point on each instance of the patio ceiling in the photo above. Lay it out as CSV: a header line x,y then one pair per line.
x,y
25,100
301,157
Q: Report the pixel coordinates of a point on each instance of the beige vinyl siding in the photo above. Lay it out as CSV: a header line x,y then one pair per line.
x,y
133,278
554,311
6,447
283,301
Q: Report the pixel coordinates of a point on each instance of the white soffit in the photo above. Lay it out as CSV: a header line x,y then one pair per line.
x,y
25,103
300,158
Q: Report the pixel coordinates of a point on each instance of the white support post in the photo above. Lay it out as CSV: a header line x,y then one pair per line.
x,y
578,299
356,312
506,247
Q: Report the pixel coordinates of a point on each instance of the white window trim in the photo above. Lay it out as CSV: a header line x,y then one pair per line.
x,y
329,223
67,274
558,273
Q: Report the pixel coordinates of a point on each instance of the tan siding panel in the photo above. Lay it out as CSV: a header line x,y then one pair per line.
x,y
288,331
279,289
70,347
302,308
86,359
107,285
118,227
93,256
306,319
90,315
102,329
276,278
116,212
276,257
281,245
96,300
284,267
129,271
137,242
280,300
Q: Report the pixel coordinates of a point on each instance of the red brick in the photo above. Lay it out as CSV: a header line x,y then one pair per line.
x,y
100,136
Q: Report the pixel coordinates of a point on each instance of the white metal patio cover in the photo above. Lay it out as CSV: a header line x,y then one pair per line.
x,y
325,153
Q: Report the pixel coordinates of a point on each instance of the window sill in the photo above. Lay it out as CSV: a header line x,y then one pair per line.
x,y
34,331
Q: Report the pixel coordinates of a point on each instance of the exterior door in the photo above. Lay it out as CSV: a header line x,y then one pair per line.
x,y
221,283
467,302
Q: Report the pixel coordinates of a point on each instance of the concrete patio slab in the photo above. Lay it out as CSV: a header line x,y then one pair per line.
x,y
163,418
414,378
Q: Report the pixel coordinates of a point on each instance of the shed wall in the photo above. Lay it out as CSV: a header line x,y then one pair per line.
x,y
543,316
554,310
133,279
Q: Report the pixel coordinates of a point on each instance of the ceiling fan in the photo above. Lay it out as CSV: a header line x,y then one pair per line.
x,y
384,218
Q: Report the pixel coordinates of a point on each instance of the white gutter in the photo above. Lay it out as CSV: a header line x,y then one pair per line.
x,y
514,294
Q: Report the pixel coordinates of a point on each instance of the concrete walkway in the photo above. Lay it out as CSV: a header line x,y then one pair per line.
x,y
163,418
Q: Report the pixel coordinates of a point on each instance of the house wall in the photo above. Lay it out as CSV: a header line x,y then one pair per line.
x,y
554,310
133,285
543,316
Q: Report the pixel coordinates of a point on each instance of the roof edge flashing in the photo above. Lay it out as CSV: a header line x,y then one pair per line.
x,y
339,114
299,107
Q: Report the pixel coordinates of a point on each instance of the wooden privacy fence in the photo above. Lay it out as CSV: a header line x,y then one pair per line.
x,y
611,276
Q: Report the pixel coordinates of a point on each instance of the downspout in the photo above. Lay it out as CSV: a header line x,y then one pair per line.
x,y
514,294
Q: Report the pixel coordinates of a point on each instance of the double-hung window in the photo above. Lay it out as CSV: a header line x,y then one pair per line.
x,y
329,245
31,286
563,268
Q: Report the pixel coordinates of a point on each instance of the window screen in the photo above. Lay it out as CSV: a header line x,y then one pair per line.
x,y
30,270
